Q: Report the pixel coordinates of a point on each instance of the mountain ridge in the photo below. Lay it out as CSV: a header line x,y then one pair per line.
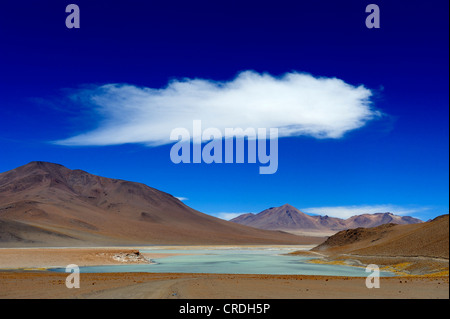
x,y
429,239
43,203
289,218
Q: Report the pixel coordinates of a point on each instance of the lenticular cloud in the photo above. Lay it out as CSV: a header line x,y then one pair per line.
x,y
295,103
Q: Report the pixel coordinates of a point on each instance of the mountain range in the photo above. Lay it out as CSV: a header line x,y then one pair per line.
x,y
46,204
290,219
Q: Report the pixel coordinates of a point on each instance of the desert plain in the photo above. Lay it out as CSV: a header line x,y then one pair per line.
x,y
24,275
51,216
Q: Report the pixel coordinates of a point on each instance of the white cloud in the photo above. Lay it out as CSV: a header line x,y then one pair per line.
x,y
296,103
349,211
227,216
181,198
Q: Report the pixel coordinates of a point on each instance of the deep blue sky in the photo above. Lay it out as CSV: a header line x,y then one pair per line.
x,y
401,160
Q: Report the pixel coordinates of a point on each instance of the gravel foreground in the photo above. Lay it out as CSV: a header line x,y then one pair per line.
x,y
49,285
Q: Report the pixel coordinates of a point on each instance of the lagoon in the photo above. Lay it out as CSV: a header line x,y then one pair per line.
x,y
270,261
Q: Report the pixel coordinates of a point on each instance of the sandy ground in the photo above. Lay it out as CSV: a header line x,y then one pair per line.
x,y
212,286
21,279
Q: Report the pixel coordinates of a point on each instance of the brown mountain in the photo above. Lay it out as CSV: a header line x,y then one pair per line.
x,y
430,239
285,217
377,219
45,204
289,218
243,218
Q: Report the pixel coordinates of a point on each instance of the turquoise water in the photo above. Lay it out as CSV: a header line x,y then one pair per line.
x,y
232,261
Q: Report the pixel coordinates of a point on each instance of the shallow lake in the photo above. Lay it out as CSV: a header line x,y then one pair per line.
x,y
233,261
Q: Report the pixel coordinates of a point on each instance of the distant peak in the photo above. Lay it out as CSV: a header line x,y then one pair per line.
x,y
49,165
289,207
41,163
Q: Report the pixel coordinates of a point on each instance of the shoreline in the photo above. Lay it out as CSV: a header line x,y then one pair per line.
x,y
401,265
28,259
29,281
45,258
57,257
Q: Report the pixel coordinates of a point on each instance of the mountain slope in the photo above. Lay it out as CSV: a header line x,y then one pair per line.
x,y
377,219
48,204
430,239
284,217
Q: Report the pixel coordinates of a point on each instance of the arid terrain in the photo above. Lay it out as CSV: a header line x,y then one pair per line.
x,y
28,278
216,286
44,204
408,249
51,216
